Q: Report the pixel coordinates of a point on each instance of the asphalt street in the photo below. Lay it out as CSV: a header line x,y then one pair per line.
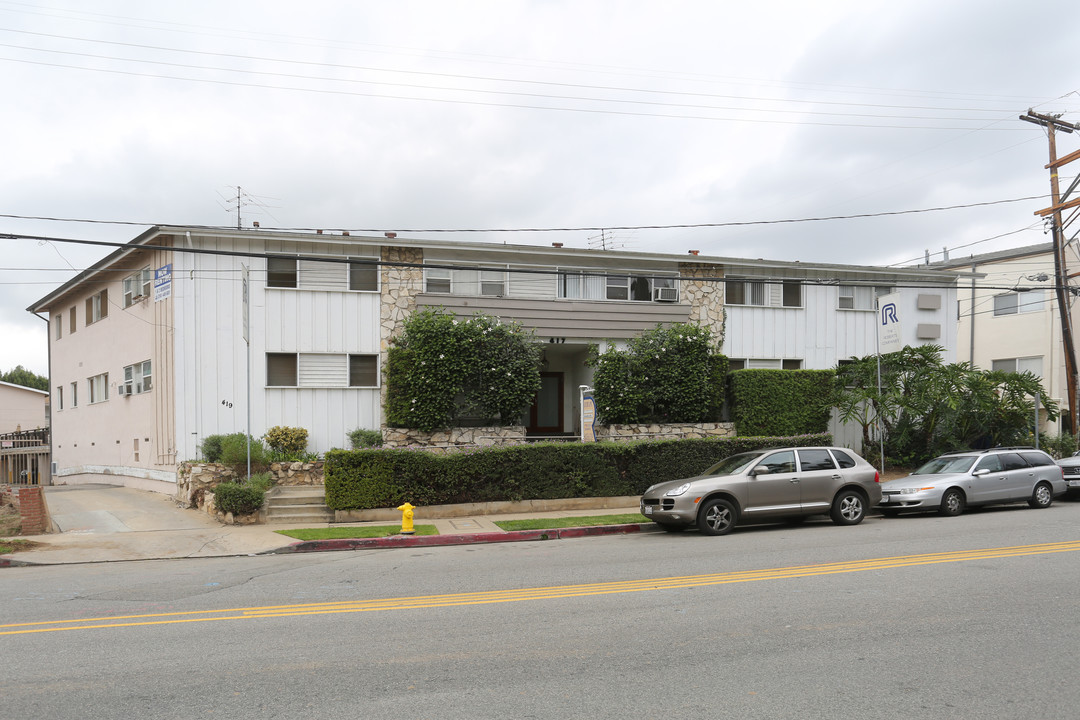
x,y
923,617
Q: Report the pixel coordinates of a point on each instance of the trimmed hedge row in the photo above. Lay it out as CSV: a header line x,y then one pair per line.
x,y
781,402
365,479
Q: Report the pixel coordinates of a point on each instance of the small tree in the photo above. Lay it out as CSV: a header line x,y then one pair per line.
x,y
26,378
673,374
442,369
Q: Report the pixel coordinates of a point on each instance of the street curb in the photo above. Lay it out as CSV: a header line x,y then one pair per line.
x,y
405,541
11,562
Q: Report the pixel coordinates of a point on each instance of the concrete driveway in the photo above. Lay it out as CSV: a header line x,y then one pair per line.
x,y
115,509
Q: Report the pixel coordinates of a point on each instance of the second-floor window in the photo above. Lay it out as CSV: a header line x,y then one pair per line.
x,y
596,285
74,394
1018,302
305,274
860,297
465,281
97,307
99,388
137,286
764,294
137,378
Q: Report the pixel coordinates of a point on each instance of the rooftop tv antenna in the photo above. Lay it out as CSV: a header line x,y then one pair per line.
x,y
236,203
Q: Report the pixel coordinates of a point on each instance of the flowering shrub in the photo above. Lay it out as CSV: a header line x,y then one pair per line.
x,y
442,369
666,375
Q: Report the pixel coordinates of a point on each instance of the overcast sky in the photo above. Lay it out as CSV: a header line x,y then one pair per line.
x,y
529,114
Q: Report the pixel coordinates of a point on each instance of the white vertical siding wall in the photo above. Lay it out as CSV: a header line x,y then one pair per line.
x,y
211,368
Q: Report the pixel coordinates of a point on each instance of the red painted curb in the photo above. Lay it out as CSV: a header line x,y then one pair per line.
x,y
403,541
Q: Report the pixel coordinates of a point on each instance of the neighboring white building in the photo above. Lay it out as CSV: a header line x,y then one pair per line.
x,y
148,353
22,408
1003,329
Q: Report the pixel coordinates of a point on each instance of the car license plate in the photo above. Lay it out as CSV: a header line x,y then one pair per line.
x,y
1074,483
647,510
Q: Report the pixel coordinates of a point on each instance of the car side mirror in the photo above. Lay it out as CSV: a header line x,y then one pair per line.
x,y
760,470
980,472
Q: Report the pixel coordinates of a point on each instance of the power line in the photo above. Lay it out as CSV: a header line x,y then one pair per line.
x,y
596,228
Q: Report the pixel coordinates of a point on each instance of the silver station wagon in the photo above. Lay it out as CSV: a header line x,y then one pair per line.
x,y
952,482
773,483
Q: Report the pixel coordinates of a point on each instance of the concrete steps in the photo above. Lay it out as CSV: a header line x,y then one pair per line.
x,y
298,505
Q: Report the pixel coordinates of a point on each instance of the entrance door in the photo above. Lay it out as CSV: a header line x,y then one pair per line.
x,y
546,413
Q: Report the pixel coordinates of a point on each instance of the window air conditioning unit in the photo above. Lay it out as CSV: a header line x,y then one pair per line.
x,y
124,390
664,294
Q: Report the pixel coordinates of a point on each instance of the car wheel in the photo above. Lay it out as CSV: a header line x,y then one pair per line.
x,y
670,527
952,503
891,513
717,517
1042,497
848,508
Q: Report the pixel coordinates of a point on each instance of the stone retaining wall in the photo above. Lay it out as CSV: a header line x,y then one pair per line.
x,y
666,431
444,440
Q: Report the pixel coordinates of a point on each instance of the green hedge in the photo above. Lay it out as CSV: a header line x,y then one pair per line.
x,y
780,402
238,499
364,479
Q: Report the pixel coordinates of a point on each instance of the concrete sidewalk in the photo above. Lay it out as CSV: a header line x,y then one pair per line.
x,y
111,524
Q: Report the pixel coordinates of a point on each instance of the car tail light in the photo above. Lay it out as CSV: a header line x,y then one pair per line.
x,y
877,477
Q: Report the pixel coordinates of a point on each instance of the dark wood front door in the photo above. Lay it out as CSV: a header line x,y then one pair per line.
x,y
546,413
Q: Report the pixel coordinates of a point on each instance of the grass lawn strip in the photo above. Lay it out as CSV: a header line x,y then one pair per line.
x,y
10,545
567,522
347,533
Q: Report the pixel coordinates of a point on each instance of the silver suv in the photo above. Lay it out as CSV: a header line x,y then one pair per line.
x,y
951,482
772,483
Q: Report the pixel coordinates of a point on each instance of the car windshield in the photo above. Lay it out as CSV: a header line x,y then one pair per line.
x,y
942,465
733,465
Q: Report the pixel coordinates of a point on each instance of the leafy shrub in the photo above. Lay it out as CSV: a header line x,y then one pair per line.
x,y
387,478
365,438
238,499
781,402
261,481
1059,446
234,450
210,448
442,369
673,374
286,440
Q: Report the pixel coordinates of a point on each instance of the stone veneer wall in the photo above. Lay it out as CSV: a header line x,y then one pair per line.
x,y
667,431
706,297
400,286
443,440
195,483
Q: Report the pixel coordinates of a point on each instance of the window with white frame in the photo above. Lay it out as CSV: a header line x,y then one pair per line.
x,y
99,388
438,280
97,307
281,272
137,378
1032,365
59,397
859,297
137,286
596,285
764,364
75,394
493,282
71,320
363,276
58,323
1012,303
320,370
787,293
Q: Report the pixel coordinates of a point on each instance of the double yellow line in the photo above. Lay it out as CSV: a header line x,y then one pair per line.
x,y
542,593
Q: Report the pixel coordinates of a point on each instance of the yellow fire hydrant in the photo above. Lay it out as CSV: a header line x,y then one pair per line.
x,y
406,519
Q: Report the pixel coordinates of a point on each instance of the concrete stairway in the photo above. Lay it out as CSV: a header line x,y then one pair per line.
x,y
297,505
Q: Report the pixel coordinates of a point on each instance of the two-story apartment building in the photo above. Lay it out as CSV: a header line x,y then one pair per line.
x,y
1017,330
149,353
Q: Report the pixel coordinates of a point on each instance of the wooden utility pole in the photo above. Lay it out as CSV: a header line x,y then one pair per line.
x,y
1061,272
